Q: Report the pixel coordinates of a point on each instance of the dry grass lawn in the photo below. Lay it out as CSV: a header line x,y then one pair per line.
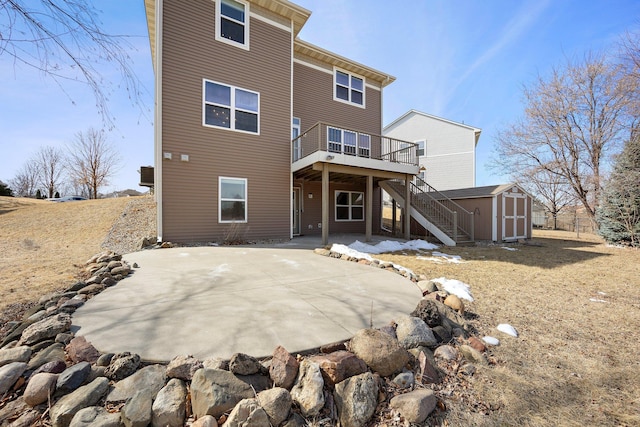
x,y
41,243
576,361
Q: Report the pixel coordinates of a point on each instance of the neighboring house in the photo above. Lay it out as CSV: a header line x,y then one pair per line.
x,y
447,149
260,135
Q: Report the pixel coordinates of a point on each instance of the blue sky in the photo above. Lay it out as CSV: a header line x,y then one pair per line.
x,y
462,60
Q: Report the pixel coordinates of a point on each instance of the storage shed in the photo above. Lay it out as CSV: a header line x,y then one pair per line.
x,y
501,212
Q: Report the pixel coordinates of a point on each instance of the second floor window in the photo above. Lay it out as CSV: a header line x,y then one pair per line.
x,y
231,107
232,24
421,147
349,88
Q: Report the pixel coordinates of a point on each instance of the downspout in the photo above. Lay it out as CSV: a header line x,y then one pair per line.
x,y
158,121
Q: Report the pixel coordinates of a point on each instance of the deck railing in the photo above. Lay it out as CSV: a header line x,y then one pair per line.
x,y
341,140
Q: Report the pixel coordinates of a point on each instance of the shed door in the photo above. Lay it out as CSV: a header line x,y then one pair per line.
x,y
514,216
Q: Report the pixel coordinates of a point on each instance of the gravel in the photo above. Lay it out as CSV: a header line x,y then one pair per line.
x,y
137,222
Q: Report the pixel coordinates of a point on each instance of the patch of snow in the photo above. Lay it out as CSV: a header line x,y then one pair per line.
x,y
392,246
507,329
491,340
601,293
455,287
597,300
349,251
440,258
507,248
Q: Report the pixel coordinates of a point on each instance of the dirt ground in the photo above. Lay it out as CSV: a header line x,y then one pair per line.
x,y
576,305
42,242
574,301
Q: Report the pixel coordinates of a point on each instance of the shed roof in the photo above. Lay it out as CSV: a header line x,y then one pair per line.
x,y
478,192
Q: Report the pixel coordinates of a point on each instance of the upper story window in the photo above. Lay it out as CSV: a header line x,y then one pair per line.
x,y
231,107
232,22
422,145
349,88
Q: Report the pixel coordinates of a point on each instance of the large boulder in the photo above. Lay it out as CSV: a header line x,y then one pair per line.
x,y
45,329
276,402
413,332
40,388
214,392
150,379
169,407
63,411
380,352
308,391
356,399
415,406
137,411
283,369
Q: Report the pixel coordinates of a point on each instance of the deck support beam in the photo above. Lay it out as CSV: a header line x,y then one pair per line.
x,y
407,206
325,204
368,216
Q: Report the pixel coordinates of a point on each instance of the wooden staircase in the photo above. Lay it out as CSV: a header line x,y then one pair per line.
x,y
445,219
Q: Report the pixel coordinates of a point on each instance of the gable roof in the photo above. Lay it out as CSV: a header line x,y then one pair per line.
x,y
297,14
413,112
323,55
477,192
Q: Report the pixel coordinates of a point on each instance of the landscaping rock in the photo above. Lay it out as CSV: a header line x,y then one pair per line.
x,y
206,421
12,410
80,350
73,377
16,354
243,364
54,367
259,382
276,402
284,368
308,390
472,355
427,310
214,392
247,413
150,379
27,419
413,332
404,380
45,329
476,344
53,353
415,406
64,409
122,365
455,303
169,406
442,334
95,416
40,388
183,367
356,399
446,352
105,359
215,363
338,366
295,420
379,351
137,411
9,374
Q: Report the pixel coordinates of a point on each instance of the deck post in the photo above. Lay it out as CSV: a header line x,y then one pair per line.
x,y
368,216
407,207
325,204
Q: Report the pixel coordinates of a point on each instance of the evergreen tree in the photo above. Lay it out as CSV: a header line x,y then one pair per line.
x,y
5,190
38,194
619,212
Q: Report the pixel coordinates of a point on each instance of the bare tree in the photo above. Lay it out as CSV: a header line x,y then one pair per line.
x,y
49,163
92,160
25,183
572,121
550,189
64,39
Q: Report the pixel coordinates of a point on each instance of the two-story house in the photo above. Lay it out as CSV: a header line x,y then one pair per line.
x,y
446,149
261,135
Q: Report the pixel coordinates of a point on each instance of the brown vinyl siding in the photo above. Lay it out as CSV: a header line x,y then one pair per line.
x,y
190,189
313,102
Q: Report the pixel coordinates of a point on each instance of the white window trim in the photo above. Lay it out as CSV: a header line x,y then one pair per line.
x,y
424,142
218,35
232,107
246,202
349,102
335,202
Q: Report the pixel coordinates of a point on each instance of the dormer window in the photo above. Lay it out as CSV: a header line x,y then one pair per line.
x,y
348,88
232,22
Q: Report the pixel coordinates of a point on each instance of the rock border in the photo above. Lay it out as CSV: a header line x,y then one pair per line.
x,y
399,373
